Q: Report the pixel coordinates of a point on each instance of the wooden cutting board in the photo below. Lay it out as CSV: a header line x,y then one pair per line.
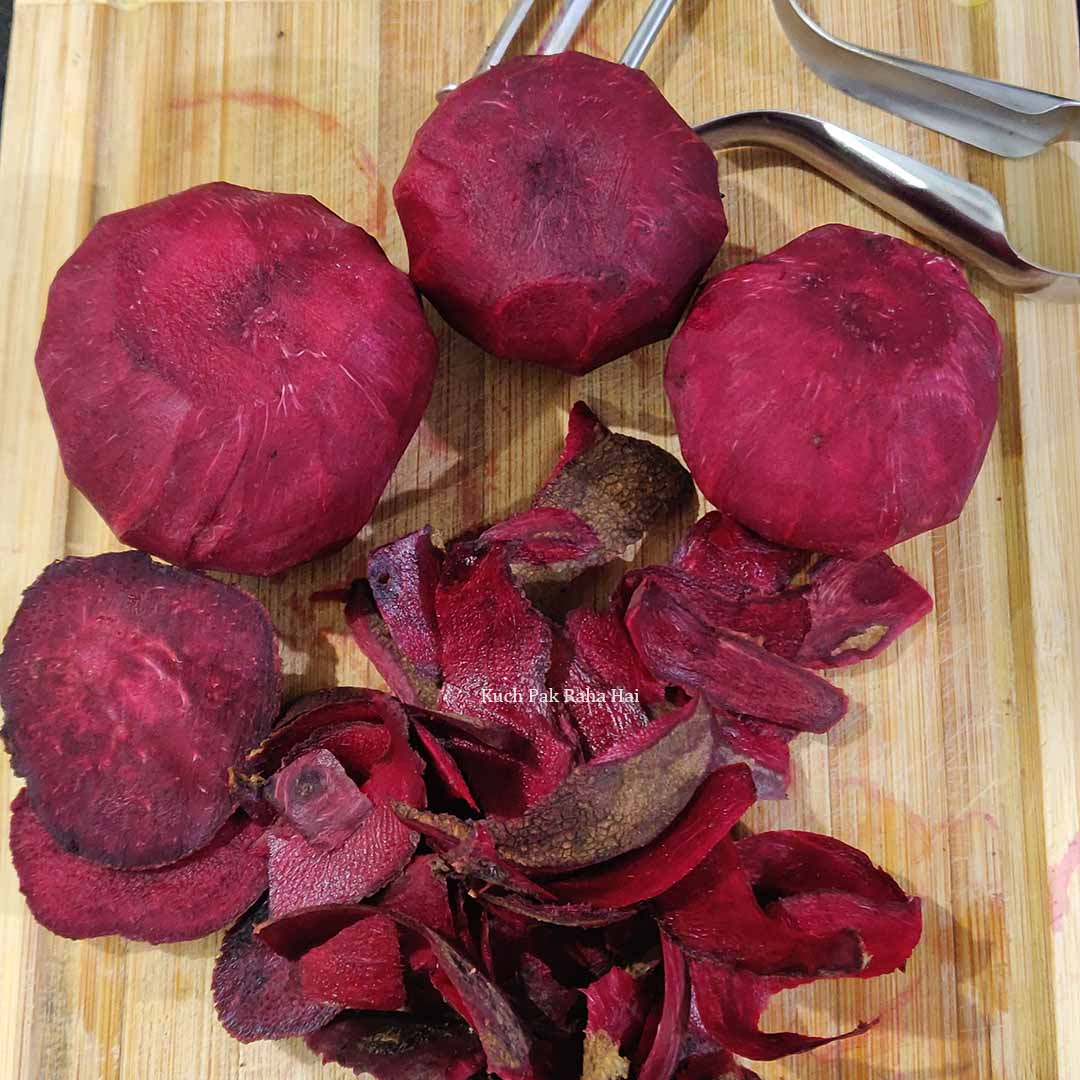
x,y
959,766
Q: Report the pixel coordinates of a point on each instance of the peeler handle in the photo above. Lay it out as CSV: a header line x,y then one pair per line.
x,y
962,217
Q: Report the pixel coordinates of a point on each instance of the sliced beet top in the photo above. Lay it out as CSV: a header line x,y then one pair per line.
x,y
837,395
77,898
559,211
233,375
129,690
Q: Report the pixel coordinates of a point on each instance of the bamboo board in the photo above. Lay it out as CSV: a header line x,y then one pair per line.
x,y
958,768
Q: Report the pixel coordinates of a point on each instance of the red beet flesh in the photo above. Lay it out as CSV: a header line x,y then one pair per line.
x,y
233,375
557,210
129,690
77,898
839,394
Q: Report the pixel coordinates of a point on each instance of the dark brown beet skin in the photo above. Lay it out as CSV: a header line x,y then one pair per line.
x,y
839,394
129,690
557,210
233,375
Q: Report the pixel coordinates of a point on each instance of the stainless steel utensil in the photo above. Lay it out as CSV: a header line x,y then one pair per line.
x,y
1011,121
962,217
561,32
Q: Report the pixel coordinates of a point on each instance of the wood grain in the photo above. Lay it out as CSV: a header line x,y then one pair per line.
x,y
960,764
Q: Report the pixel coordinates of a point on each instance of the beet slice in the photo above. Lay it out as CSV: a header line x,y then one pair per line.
x,y
372,635
760,745
646,873
547,543
507,1045
319,799
732,1003
569,224
605,493
733,562
257,993
600,640
858,609
232,376
554,1001
576,915
613,804
76,898
442,761
874,428
663,1055
403,576
324,717
302,929
399,1047
818,883
303,875
616,1015
420,894
713,913
476,857
358,968
129,690
731,671
601,679
496,650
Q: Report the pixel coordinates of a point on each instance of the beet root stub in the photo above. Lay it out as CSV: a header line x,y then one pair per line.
x,y
233,375
130,689
557,210
837,395
396,1046
77,898
257,992
730,670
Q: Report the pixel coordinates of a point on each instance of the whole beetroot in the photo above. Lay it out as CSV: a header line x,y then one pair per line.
x,y
839,394
233,375
558,210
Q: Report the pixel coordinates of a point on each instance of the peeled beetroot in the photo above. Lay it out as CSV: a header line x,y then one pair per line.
x,y
839,394
77,898
233,375
129,690
558,210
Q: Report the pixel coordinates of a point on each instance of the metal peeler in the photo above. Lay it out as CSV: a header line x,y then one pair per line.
x,y
561,32
1007,120
962,217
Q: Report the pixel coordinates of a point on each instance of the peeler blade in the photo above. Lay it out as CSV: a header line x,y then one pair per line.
x,y
1010,121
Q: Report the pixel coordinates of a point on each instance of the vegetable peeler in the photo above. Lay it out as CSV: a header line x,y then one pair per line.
x,y
561,32
1010,121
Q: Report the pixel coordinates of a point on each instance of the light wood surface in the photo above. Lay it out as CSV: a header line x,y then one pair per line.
x,y
959,766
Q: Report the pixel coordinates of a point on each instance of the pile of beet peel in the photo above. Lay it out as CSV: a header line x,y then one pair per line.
x,y
526,862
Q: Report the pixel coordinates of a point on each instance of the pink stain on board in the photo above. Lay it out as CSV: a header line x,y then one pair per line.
x,y
326,122
1061,876
278,102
